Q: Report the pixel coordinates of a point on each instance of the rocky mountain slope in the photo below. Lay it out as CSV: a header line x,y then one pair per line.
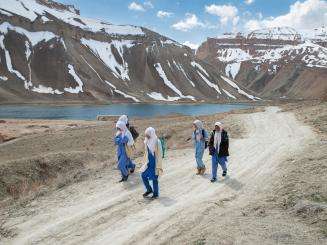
x,y
275,63
49,53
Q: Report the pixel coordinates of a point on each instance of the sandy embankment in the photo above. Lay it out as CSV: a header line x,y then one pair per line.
x,y
249,203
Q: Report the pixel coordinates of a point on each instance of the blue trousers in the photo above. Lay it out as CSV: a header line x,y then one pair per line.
x,y
215,160
122,166
199,151
147,185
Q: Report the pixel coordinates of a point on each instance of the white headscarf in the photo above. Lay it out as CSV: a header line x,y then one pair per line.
x,y
152,141
122,126
217,137
198,124
123,118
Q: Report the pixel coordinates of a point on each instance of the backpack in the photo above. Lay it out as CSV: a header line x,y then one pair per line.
x,y
163,142
134,133
205,142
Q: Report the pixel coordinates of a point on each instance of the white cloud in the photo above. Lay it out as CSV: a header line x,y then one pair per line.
x,y
226,13
248,2
301,16
140,7
191,21
163,14
148,4
136,7
236,20
191,45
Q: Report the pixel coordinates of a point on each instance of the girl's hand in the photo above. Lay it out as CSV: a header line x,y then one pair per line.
x,y
118,133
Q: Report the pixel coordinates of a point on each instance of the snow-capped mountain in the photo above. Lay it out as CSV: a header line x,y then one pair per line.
x,y
274,62
49,53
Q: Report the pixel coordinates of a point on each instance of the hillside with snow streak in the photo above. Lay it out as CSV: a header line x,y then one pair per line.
x,y
273,62
49,53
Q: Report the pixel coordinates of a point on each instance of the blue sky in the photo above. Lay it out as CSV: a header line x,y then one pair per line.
x,y
195,20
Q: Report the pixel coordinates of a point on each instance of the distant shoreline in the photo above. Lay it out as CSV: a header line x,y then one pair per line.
x,y
98,103
91,112
81,103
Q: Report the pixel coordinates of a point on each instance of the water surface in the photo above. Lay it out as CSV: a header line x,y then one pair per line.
x,y
90,112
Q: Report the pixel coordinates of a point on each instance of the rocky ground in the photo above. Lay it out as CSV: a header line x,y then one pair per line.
x,y
276,192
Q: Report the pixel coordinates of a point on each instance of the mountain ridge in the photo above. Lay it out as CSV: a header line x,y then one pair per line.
x,y
273,64
59,56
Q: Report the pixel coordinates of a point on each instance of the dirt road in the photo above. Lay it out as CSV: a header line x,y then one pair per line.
x,y
102,211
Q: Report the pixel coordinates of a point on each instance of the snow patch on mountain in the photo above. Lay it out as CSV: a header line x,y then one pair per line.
x,y
159,97
3,78
232,69
233,55
44,19
181,69
170,42
78,88
169,83
28,50
240,91
311,54
229,94
197,65
9,64
30,9
127,96
103,50
169,64
276,33
33,37
5,13
92,68
46,90
210,84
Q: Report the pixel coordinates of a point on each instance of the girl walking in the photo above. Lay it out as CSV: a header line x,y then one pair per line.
x,y
218,149
121,140
152,167
200,139
130,147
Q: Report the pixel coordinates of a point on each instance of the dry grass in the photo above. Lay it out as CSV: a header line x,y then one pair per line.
x,y
47,160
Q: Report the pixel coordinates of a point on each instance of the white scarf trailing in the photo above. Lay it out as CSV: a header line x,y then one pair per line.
x,y
124,119
199,126
122,126
217,136
152,140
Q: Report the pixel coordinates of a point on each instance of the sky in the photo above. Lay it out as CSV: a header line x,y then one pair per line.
x,y
192,21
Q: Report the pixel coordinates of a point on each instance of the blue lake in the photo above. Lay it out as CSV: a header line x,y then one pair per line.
x,y
89,112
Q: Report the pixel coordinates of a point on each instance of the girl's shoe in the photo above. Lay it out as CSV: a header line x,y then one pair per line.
x,y
145,194
199,171
203,170
154,197
213,180
123,179
224,173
